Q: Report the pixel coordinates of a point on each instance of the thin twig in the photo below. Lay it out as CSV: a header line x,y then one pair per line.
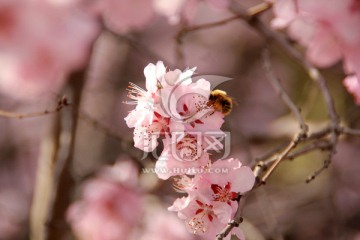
x,y
140,48
350,131
291,105
179,53
320,144
185,30
126,145
325,165
258,9
271,152
297,139
320,134
188,29
252,11
98,125
336,131
63,180
44,184
62,103
314,74
275,82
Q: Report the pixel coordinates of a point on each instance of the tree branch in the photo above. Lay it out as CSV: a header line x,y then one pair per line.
x,y
63,179
140,48
313,73
350,131
62,103
275,82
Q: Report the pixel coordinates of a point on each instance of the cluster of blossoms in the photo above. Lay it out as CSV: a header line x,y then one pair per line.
x,y
327,28
176,109
112,200
41,42
113,206
211,200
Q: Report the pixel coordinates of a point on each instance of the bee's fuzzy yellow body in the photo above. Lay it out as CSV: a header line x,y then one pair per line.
x,y
220,101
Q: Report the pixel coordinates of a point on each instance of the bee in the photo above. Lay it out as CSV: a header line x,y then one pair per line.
x,y
220,101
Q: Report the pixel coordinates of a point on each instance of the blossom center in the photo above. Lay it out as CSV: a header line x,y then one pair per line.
x,y
7,20
203,215
160,124
189,148
223,194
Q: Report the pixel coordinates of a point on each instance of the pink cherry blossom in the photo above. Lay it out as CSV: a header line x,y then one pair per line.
x,y
155,222
145,106
285,11
170,103
197,115
183,184
352,83
223,181
188,104
146,118
204,219
186,156
211,201
146,136
229,172
146,101
318,25
40,44
325,28
108,210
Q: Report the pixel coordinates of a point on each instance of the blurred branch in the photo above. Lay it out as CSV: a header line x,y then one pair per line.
x,y
297,139
275,82
271,153
63,179
320,134
62,103
179,51
100,126
185,30
350,131
302,135
258,9
317,145
314,73
334,128
44,185
252,11
126,145
143,50
188,29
